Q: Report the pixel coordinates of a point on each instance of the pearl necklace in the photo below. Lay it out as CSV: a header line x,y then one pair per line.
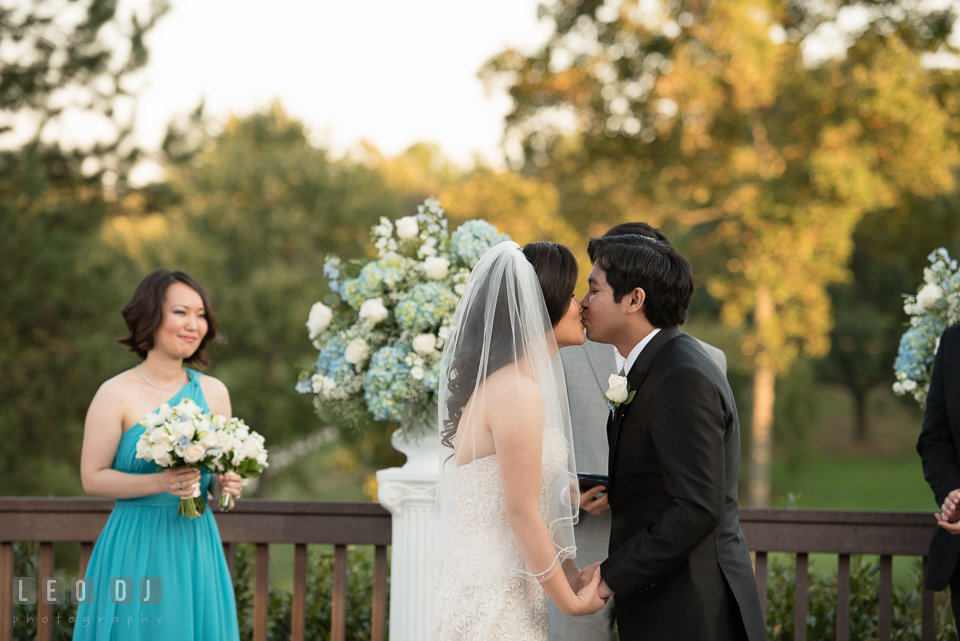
x,y
165,389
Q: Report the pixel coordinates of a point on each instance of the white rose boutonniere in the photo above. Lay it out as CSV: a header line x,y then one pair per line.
x,y
618,392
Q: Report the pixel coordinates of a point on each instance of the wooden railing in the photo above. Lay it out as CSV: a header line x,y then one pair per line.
x,y
886,534
49,520
52,520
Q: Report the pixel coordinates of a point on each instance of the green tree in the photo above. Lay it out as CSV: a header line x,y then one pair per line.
x,y
714,117
61,288
252,213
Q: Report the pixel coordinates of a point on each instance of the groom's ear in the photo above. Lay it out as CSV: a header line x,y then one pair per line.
x,y
635,300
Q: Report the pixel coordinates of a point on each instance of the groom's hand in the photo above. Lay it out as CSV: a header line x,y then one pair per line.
x,y
950,510
586,575
590,502
604,591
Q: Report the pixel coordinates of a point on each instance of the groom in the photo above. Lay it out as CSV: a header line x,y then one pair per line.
x,y
678,565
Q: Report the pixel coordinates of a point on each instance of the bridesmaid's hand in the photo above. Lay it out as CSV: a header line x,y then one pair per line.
x,y
181,481
231,484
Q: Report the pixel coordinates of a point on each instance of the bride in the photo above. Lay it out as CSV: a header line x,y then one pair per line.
x,y
507,496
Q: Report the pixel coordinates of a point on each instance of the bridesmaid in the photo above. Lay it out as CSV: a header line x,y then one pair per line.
x,y
170,323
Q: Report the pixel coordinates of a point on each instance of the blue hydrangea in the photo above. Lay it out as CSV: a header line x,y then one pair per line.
x,y
386,382
425,307
918,349
330,362
431,378
376,277
472,239
331,269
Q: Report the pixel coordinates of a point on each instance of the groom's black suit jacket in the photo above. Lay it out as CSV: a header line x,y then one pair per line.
x,y
939,448
675,540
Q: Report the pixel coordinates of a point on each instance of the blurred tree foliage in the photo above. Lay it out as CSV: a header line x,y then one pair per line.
x,y
706,115
61,288
252,211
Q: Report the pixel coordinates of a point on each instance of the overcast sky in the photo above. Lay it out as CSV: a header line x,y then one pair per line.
x,y
390,72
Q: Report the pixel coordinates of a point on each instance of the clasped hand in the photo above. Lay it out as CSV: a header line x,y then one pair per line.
x,y
592,591
949,515
184,482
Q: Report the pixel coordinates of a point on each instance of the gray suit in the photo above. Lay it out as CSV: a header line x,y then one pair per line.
x,y
587,368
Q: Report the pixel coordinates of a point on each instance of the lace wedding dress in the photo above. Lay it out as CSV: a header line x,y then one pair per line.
x,y
485,590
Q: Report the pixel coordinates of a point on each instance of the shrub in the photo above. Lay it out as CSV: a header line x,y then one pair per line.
x,y
864,603
319,597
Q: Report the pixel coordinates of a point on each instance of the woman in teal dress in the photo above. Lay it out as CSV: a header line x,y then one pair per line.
x,y
170,323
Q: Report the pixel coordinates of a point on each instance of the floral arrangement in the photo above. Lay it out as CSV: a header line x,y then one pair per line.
x,y
244,453
935,307
183,435
381,331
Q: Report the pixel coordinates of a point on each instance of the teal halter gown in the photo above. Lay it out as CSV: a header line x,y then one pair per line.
x,y
145,538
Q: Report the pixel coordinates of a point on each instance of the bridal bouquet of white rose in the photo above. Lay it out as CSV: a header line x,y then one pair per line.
x,y
934,307
381,330
183,435
243,453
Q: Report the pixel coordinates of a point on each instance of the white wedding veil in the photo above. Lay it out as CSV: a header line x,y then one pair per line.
x,y
502,322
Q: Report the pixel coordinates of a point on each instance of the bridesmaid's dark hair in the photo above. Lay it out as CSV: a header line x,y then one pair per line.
x,y
144,313
557,271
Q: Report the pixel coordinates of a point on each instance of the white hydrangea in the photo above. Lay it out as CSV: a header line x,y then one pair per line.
x,y
407,227
323,384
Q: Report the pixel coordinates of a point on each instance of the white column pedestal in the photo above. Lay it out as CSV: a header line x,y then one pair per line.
x,y
408,492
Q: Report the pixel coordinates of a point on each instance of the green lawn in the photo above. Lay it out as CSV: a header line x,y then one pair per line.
x,y
883,473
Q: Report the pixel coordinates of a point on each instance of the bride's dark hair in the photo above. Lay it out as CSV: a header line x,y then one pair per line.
x,y
556,270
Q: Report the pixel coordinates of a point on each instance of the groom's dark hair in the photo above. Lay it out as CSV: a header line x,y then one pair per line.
x,y
634,260
640,229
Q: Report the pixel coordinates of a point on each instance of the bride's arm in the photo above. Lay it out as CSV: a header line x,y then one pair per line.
x,y
515,420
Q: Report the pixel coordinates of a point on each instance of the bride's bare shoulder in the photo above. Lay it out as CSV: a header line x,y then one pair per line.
x,y
508,386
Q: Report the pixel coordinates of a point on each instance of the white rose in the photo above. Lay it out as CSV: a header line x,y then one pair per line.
x,y
417,373
161,456
211,440
436,268
357,351
183,428
617,391
908,385
444,333
929,295
144,450
251,449
425,344
319,319
373,310
407,227
164,413
194,453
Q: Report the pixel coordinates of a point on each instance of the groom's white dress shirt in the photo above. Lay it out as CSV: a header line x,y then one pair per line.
x,y
626,364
